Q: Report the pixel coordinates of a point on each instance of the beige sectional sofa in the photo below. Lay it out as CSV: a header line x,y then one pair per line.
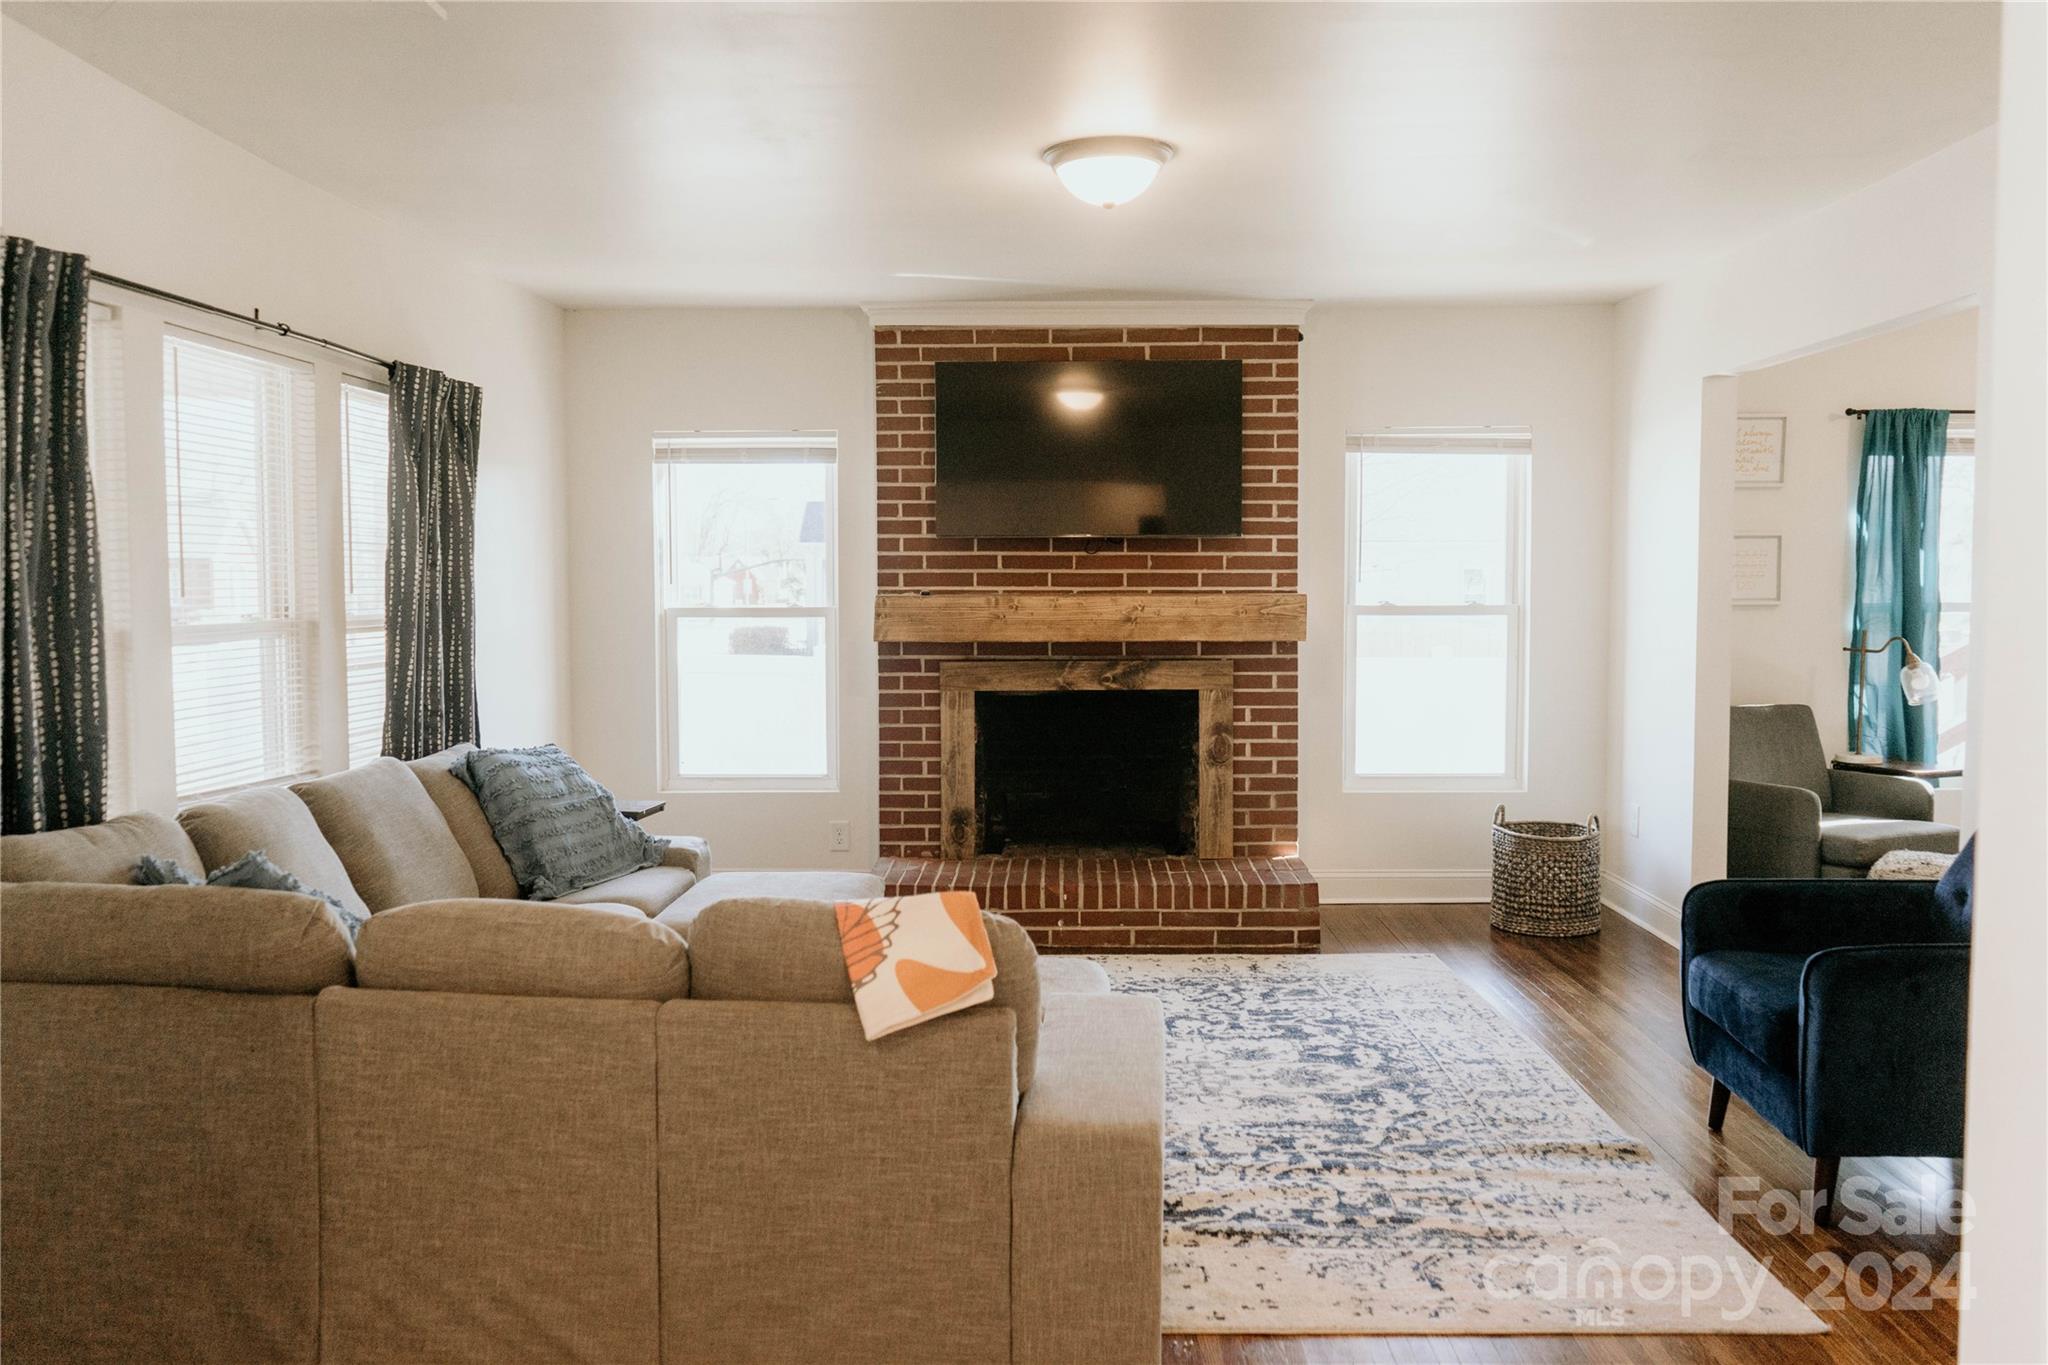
x,y
636,1130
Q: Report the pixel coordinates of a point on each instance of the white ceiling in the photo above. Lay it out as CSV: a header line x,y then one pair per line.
x,y
837,153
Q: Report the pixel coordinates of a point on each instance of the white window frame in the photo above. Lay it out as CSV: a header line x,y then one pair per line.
x,y
1962,445
738,447
347,377
144,322
1516,444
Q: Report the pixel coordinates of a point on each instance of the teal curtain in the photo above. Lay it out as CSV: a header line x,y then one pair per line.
x,y
1898,573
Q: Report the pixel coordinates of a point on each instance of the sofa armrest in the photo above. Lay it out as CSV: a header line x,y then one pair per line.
x,y
1773,831
1085,1186
1868,1085
1804,915
1883,794
687,850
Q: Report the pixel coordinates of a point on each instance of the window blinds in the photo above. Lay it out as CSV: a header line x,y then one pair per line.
x,y
240,520
1447,440
366,488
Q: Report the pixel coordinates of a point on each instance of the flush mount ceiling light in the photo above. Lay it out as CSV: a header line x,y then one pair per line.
x,y
1080,400
1107,170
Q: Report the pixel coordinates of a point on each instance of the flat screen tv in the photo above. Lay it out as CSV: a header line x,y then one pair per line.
x,y
1097,449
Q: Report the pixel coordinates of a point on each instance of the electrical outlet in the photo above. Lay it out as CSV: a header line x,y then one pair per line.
x,y
840,836
1635,819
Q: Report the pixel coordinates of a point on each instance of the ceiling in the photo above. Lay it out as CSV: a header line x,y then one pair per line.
x,y
635,154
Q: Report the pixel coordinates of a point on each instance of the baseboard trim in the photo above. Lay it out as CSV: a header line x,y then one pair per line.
x,y
1641,907
1396,886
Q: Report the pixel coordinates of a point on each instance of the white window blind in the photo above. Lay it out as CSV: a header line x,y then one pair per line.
x,y
746,562
1437,520
366,486
241,524
107,439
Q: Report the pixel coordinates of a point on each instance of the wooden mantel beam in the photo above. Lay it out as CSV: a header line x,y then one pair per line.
x,y
938,618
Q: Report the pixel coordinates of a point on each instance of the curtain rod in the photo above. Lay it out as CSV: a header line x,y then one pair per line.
x,y
254,319
1865,412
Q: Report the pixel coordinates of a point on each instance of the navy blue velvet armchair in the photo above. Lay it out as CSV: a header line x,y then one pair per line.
x,y
1835,1009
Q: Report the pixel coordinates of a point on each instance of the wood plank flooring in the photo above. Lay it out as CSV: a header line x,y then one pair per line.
x,y
1607,1009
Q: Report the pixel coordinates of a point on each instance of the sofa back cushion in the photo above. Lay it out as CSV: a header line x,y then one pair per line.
x,y
1954,892
466,821
96,853
789,950
276,821
1779,745
206,937
389,834
479,947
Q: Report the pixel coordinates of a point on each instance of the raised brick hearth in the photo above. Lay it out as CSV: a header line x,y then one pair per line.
x,y
1262,896
1143,904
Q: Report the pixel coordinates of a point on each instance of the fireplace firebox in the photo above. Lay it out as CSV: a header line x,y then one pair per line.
x,y
1130,757
1059,773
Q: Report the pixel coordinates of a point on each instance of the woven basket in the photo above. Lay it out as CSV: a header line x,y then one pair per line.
x,y
1546,876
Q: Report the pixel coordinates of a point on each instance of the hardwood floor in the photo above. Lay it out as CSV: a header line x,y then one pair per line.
x,y
1607,1009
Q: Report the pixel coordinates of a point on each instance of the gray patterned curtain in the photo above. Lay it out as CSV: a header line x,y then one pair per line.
x,y
430,579
54,683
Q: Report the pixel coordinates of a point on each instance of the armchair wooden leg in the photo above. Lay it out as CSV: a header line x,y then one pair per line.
x,y
1717,1108
1827,1170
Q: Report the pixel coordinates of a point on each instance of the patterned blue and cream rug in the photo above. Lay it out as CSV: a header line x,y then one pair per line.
x,y
1356,1143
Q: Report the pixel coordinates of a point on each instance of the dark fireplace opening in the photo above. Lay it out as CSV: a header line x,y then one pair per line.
x,y
1094,772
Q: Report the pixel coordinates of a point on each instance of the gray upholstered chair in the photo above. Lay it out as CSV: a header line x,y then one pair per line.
x,y
1790,815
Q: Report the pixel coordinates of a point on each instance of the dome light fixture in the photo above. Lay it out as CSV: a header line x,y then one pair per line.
x,y
1079,400
1107,170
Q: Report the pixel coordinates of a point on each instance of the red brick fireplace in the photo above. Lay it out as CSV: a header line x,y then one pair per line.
x,y
1221,614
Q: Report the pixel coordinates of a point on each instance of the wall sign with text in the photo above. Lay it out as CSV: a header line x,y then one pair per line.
x,y
1759,452
1756,575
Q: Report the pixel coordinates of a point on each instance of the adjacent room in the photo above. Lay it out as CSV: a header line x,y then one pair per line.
x,y
1059,683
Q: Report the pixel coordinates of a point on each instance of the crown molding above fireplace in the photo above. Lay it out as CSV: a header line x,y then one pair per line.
x,y
1093,313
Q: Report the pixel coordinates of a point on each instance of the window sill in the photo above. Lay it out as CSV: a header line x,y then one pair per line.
x,y
1435,786
750,786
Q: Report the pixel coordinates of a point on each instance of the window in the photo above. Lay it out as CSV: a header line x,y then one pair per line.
x,y
1437,527
365,509
241,520
745,532
1958,511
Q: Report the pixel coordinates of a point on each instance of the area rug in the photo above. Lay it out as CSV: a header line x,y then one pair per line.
x,y
1356,1143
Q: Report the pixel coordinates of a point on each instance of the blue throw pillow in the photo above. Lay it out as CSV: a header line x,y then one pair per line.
x,y
558,828
1952,893
253,871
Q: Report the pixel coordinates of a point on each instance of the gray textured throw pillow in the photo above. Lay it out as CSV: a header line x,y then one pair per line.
x,y
254,871
558,828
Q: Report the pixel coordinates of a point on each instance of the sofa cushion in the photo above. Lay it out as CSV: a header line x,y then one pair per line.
x,y
1860,840
1754,997
389,834
479,947
1954,892
204,937
789,950
1071,976
466,821
95,853
559,828
275,822
650,890
769,884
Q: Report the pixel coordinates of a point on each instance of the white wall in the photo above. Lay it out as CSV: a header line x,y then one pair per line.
x,y
95,167
2007,1243
1911,245
633,373
1549,368
1792,652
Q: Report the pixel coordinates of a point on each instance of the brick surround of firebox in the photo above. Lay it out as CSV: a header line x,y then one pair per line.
x,y
1263,559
